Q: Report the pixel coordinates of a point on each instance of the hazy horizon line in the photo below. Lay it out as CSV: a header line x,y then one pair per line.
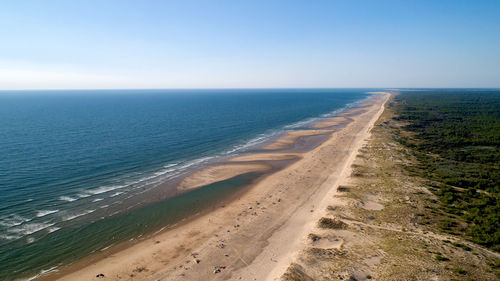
x,y
252,88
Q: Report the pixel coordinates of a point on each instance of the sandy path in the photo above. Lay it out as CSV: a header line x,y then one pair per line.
x,y
427,234
255,236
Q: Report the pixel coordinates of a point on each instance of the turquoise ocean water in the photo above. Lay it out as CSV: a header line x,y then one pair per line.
x,y
83,170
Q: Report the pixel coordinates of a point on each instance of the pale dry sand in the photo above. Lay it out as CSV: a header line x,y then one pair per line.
x,y
257,235
329,122
214,174
292,136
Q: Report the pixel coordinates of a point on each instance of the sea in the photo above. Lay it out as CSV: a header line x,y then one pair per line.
x,y
84,170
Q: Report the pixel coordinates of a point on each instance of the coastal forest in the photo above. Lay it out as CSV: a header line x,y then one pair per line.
x,y
454,135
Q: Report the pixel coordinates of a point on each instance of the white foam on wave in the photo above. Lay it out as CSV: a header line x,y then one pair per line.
x,y
67,218
115,194
52,229
331,114
30,228
10,236
335,112
172,170
42,272
252,142
67,199
105,248
169,171
196,162
345,108
43,213
301,123
105,189
165,171
13,220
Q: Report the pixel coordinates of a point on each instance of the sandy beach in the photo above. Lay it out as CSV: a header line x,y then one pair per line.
x,y
257,235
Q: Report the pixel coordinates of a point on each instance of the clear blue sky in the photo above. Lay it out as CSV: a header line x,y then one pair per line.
x,y
239,44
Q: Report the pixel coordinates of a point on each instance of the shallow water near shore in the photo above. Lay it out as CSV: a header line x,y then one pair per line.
x,y
82,168
88,238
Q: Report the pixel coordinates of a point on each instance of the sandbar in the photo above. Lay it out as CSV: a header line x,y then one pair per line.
x,y
329,122
218,173
265,157
292,136
354,112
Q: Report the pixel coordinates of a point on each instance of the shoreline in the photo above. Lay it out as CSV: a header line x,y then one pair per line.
x,y
289,240
193,231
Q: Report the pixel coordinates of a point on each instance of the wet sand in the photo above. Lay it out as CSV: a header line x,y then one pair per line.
x,y
255,236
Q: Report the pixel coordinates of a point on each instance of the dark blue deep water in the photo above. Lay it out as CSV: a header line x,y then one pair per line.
x,y
70,159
